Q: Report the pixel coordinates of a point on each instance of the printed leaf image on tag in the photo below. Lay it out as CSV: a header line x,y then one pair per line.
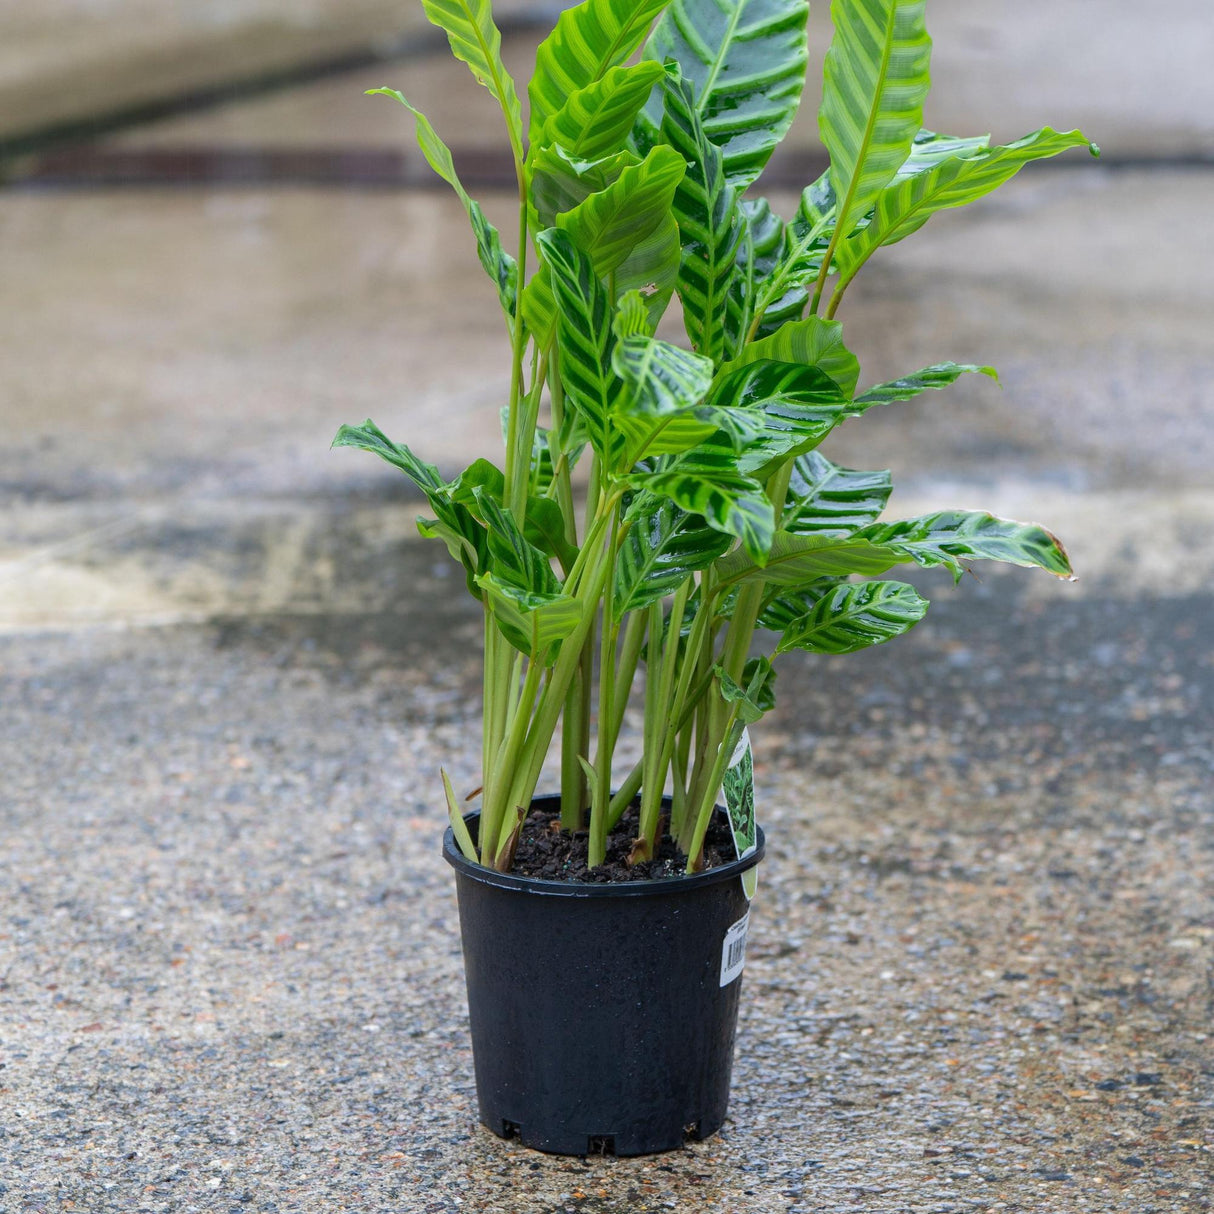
x,y
739,790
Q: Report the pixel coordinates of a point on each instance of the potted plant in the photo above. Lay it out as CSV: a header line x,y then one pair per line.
x,y
663,525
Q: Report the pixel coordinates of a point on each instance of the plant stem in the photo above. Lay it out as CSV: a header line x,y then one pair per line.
x,y
626,669
601,801
725,749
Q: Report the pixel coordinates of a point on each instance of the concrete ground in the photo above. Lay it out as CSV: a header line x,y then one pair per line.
x,y
981,971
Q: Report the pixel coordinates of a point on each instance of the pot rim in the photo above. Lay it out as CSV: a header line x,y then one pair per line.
x,y
653,887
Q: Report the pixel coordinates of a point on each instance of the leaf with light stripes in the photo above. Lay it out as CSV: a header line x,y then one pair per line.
x,y
710,227
475,39
844,618
746,60
609,224
664,545
797,560
814,342
597,119
823,497
561,181
798,406
706,481
588,40
455,524
526,598
935,377
874,83
951,537
498,264
906,205
585,342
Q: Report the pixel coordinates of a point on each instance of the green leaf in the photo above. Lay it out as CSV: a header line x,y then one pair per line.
x,y
710,227
662,548
596,120
588,40
757,696
874,83
455,525
928,149
653,268
705,480
459,828
544,525
823,497
952,536
535,624
906,205
813,342
561,181
526,598
662,378
498,264
844,618
798,404
609,224
475,39
795,560
935,377
585,343
746,61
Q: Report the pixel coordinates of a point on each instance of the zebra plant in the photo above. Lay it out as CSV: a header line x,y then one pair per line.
x,y
663,508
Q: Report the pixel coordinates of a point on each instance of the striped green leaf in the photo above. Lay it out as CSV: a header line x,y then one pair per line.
x,y
499,265
596,120
653,268
935,377
455,524
609,224
844,618
906,205
662,379
475,39
823,497
746,62
952,537
929,149
526,598
813,342
664,545
706,481
585,342
755,695
561,181
798,406
796,560
710,227
874,84
535,624
588,40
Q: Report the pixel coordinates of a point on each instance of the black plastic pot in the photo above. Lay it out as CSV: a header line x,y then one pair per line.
x,y
603,1016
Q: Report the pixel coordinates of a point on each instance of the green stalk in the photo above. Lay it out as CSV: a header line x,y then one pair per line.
x,y
708,799
494,805
601,801
626,669
507,820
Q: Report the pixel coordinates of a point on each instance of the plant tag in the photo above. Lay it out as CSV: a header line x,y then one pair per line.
x,y
739,789
733,951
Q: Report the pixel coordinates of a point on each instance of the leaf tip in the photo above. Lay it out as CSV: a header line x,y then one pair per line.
x,y
1094,150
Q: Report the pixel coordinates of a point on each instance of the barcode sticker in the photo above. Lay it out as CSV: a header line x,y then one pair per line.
x,y
733,950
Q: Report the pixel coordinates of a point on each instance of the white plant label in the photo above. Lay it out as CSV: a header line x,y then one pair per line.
x,y
733,950
739,789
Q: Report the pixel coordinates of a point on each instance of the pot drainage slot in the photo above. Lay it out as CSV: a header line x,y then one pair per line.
x,y
510,1129
691,1133
600,1144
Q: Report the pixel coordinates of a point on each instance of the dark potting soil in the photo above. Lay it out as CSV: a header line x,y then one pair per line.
x,y
550,854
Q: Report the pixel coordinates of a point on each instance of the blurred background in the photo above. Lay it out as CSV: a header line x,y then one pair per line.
x,y
216,249
229,669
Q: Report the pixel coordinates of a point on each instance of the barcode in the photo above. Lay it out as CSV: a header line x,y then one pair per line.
x,y
733,950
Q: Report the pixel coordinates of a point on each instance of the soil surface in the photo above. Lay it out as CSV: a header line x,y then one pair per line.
x,y
551,854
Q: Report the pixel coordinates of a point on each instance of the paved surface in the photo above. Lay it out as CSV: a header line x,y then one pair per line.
x,y
982,965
